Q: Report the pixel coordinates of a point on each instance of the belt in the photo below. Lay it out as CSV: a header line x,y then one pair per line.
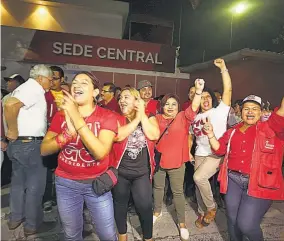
x,y
239,173
30,138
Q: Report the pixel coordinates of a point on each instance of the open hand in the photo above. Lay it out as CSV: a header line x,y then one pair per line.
x,y
70,127
140,108
70,106
4,146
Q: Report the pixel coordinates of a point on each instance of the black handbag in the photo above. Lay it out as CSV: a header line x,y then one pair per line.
x,y
157,154
105,182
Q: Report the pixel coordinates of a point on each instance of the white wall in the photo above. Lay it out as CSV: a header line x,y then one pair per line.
x,y
105,18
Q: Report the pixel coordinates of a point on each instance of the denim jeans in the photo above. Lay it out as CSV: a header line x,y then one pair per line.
x,y
244,213
71,196
28,183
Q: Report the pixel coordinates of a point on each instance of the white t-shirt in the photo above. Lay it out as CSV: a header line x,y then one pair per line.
x,y
32,116
218,117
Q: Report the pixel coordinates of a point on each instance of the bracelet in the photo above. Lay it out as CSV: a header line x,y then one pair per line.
x,y
67,136
198,93
224,70
59,142
81,127
211,137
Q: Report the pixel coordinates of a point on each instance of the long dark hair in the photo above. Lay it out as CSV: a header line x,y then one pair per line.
x,y
165,99
215,102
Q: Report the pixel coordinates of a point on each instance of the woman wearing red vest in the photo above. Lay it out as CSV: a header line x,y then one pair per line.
x,y
251,175
134,159
83,135
174,148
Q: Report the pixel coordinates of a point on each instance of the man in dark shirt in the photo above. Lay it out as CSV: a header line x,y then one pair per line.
x,y
108,99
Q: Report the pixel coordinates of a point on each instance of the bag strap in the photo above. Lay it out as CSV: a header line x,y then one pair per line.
x,y
164,131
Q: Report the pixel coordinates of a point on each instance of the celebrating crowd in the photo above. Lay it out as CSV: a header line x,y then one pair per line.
x,y
106,147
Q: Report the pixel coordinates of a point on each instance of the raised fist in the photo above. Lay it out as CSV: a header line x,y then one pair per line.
x,y
199,85
220,63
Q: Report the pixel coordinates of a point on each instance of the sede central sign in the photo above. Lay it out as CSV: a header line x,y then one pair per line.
x,y
71,49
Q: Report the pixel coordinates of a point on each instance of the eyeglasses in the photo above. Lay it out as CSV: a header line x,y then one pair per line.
x,y
54,78
105,91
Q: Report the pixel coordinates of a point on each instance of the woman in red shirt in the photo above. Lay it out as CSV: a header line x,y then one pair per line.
x,y
83,134
251,175
174,148
134,159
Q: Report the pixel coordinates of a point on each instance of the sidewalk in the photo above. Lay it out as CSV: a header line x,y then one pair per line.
x,y
165,228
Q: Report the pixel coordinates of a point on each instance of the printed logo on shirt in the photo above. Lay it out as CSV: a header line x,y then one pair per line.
x,y
197,127
269,145
136,142
75,154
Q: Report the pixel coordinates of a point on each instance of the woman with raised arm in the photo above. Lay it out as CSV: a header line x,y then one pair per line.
x,y
83,133
174,148
206,164
251,175
134,159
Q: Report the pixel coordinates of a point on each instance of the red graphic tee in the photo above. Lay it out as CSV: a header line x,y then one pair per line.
x,y
74,161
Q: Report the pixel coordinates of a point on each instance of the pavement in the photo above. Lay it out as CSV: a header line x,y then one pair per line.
x,y
165,229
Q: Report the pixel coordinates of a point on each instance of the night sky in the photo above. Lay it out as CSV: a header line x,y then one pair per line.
x,y
206,30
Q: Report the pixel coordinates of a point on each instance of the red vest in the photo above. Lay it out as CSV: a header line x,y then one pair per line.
x,y
266,180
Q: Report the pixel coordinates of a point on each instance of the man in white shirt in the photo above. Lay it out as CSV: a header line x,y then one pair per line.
x,y
25,113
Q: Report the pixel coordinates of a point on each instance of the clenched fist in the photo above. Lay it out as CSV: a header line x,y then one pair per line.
x,y
220,63
199,85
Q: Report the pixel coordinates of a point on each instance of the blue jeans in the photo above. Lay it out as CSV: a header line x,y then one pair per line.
x,y
71,196
28,183
244,213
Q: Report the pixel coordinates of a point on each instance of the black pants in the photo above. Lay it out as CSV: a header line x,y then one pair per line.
x,y
244,213
141,189
188,180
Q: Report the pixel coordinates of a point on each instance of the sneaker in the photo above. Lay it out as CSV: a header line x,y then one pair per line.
x,y
183,232
155,218
47,207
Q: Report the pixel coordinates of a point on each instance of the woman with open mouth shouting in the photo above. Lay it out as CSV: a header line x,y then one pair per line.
x,y
134,159
174,148
83,133
251,175
206,164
